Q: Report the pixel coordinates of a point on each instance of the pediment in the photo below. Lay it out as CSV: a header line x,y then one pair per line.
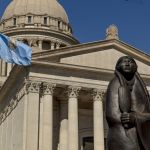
x,y
104,59
101,54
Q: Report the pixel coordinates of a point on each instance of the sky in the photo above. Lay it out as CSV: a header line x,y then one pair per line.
x,y
90,18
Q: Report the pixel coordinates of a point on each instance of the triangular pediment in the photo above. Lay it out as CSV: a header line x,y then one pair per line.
x,y
102,54
105,59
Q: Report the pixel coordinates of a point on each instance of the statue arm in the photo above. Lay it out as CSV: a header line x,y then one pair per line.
x,y
134,118
113,113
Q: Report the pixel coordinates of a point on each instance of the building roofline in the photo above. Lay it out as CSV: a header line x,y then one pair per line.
x,y
93,47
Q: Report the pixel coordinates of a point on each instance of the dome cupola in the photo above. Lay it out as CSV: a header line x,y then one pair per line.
x,y
37,22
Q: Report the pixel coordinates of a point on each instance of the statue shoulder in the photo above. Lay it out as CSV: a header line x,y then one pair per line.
x,y
114,83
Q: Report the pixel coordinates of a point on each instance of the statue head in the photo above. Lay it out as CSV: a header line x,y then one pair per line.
x,y
126,65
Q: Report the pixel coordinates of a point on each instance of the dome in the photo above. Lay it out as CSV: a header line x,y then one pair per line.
x,y
36,7
38,23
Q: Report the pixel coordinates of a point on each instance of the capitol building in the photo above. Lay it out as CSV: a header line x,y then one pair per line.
x,y
57,103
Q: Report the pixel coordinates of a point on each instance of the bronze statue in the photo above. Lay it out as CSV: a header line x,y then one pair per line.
x,y
128,108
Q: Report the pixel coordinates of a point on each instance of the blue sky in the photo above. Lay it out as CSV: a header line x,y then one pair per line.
x,y
90,18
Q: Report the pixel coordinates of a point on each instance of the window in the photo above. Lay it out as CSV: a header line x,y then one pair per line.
x,y
14,21
29,19
45,20
46,45
59,24
4,25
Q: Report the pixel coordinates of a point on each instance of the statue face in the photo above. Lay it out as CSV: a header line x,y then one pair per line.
x,y
127,65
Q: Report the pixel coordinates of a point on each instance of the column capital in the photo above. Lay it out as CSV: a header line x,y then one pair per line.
x,y
33,86
48,88
73,91
98,94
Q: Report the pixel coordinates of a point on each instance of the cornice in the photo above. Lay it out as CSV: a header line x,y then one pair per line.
x,y
78,69
36,63
130,50
72,50
40,31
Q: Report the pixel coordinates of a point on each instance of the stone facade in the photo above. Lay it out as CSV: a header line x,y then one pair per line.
x,y
45,113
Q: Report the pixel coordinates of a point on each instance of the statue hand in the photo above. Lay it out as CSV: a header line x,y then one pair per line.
x,y
128,119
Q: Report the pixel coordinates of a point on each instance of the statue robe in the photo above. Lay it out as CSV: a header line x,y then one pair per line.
x,y
138,136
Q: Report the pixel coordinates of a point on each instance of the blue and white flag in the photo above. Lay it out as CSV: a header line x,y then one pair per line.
x,y
14,51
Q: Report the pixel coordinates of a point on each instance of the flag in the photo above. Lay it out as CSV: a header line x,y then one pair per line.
x,y
14,51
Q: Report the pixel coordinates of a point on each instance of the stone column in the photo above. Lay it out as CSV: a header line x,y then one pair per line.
x,y
47,125
60,25
63,137
4,67
24,118
40,44
32,117
73,118
98,119
57,45
52,45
